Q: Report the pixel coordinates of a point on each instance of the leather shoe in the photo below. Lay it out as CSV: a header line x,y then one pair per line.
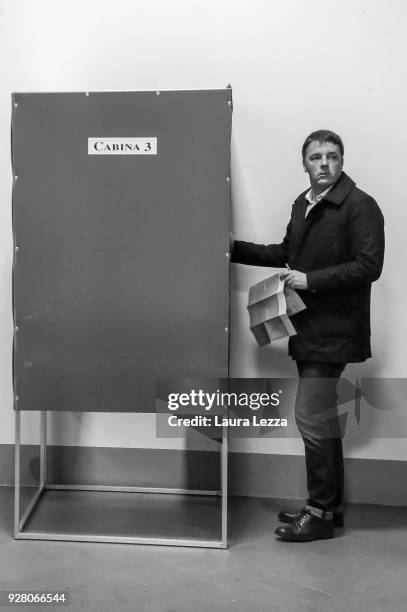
x,y
289,517
307,527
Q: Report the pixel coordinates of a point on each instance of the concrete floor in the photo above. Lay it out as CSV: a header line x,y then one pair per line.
x,y
363,569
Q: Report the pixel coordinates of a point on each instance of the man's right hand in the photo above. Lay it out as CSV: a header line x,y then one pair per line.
x,y
295,279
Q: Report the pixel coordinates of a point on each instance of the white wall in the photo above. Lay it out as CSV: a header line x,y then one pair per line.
x,y
295,67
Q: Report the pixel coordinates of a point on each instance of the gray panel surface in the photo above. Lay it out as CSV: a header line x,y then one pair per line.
x,y
120,272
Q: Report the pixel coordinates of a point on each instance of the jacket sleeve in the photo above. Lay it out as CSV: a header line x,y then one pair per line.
x,y
366,245
251,254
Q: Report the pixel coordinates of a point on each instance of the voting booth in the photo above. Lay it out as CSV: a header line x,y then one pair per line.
x,y
121,276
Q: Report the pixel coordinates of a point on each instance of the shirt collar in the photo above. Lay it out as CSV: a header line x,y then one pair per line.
x,y
315,199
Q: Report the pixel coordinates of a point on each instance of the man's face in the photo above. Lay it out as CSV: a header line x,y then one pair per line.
x,y
323,162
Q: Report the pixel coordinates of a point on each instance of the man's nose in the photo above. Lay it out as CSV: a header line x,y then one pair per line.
x,y
324,161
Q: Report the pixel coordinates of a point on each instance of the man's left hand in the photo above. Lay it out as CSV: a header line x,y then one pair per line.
x,y
295,279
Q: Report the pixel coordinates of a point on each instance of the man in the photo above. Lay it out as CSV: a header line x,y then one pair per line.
x,y
333,247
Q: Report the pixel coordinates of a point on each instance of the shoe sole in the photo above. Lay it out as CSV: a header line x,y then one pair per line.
x,y
325,536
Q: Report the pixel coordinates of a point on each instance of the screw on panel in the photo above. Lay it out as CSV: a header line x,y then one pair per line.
x,y
16,328
17,398
16,177
158,92
226,329
229,102
15,104
16,248
228,179
86,93
227,254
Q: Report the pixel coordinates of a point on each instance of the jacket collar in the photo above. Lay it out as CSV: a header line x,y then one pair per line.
x,y
337,194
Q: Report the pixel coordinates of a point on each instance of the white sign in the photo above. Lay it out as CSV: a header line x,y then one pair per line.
x,y
122,146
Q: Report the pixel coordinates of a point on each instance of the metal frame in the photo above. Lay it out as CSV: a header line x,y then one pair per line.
x,y
19,523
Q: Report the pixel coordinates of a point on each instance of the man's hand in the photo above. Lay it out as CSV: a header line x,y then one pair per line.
x,y
295,279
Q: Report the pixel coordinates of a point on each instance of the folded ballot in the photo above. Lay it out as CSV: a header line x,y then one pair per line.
x,y
271,303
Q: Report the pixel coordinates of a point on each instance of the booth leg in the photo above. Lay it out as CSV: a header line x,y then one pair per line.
x,y
17,484
224,486
43,449
20,522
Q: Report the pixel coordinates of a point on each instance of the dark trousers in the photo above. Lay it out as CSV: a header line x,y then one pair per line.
x,y
317,419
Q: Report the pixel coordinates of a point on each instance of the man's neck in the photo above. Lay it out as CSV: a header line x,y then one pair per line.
x,y
311,195
318,189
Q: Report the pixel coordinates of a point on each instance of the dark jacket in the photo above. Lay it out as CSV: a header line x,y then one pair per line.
x,y
340,246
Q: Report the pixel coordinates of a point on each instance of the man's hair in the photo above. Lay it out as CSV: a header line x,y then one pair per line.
x,y
322,136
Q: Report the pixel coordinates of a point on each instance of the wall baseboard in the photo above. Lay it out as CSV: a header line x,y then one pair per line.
x,y
369,481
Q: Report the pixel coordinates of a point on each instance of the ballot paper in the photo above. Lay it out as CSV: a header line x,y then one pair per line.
x,y
271,303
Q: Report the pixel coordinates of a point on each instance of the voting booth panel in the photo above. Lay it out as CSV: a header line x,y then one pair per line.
x,y
120,220
120,279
